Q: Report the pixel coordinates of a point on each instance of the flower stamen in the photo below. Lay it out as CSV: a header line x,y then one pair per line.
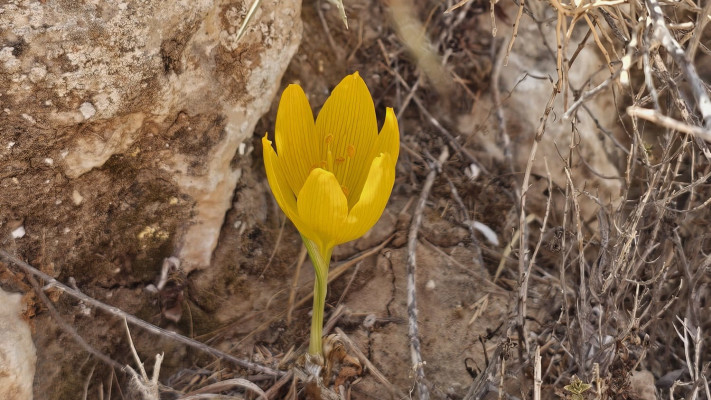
x,y
350,153
329,153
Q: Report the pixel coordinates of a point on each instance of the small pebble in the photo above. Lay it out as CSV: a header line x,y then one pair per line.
x,y
18,233
369,321
29,119
473,171
77,198
87,110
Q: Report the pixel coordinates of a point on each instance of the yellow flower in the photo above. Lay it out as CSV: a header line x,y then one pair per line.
x,y
332,178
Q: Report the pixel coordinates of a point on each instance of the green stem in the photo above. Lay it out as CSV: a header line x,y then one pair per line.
x,y
320,258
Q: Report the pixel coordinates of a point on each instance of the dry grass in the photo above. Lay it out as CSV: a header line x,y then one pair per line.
x,y
634,283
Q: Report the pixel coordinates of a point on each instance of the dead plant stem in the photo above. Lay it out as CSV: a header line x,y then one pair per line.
x,y
661,33
412,311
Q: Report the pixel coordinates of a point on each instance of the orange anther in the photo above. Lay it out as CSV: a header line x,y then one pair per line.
x,y
329,139
351,151
344,189
340,159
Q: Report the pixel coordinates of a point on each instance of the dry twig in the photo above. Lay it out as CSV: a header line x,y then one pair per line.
x,y
137,321
661,33
413,331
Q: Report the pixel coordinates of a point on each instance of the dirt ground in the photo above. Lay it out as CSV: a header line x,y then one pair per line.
x,y
616,334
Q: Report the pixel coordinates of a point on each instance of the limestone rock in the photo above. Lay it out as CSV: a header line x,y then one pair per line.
x,y
17,352
642,385
525,85
142,106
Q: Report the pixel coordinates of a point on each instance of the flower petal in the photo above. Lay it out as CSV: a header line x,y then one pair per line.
x,y
373,199
349,115
389,137
388,142
280,187
322,205
294,135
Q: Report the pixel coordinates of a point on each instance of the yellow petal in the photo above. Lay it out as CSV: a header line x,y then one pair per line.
x,y
389,137
388,142
373,199
349,115
322,205
294,135
280,187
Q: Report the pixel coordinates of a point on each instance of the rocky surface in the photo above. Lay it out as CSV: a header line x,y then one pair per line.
x,y
120,124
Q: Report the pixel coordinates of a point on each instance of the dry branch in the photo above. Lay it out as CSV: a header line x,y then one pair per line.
x,y
668,122
137,321
413,334
662,34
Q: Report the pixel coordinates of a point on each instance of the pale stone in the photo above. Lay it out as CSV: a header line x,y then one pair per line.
x,y
525,87
29,118
87,110
17,351
77,198
642,385
116,79
18,233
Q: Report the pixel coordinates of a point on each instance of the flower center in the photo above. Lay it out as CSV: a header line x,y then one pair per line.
x,y
333,160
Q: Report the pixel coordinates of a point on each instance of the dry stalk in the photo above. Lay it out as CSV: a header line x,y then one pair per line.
x,y
432,120
514,34
583,305
669,123
369,366
480,387
295,284
226,385
537,381
523,292
523,260
413,331
276,247
56,316
273,391
660,32
469,223
147,387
